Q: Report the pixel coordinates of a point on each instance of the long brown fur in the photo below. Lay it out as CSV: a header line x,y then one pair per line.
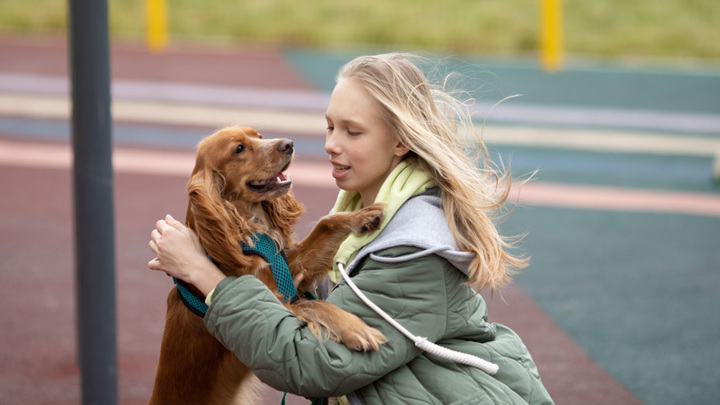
x,y
228,203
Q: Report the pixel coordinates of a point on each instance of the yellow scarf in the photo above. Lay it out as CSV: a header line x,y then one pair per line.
x,y
408,179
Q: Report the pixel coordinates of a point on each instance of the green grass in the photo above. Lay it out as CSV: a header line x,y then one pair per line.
x,y
607,29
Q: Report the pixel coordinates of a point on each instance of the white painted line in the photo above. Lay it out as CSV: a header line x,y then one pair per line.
x,y
603,141
138,161
314,101
600,116
618,199
155,90
269,120
313,124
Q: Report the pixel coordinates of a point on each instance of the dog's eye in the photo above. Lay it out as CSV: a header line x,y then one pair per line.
x,y
240,149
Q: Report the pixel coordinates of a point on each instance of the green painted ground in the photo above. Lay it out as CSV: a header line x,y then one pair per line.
x,y
637,291
628,170
609,86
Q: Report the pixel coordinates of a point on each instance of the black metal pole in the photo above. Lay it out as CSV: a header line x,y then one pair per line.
x,y
94,216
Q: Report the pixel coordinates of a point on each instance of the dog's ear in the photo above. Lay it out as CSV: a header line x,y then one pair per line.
x,y
283,213
197,179
217,223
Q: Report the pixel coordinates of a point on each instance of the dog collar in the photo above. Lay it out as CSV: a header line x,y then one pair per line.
x,y
264,247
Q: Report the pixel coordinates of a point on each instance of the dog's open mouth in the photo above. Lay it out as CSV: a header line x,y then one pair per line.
x,y
271,184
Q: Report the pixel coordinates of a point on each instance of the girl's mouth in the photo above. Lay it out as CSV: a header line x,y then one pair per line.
x,y
339,171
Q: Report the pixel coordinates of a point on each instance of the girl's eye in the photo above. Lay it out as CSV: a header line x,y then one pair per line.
x,y
330,128
354,133
240,149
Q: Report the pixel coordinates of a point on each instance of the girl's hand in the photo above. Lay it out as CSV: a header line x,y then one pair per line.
x,y
179,254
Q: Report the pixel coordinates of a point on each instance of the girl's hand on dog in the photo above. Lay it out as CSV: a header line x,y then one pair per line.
x,y
179,254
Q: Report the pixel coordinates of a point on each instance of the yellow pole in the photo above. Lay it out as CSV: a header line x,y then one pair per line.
x,y
551,41
156,19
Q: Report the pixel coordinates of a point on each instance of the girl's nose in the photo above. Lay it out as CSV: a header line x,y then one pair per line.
x,y
331,147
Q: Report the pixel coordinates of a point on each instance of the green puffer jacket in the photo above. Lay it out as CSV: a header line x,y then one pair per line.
x,y
420,286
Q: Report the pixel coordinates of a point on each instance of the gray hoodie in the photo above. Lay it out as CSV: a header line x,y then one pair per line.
x,y
432,234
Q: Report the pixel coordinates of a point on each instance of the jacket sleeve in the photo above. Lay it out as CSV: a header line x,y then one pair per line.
x,y
247,318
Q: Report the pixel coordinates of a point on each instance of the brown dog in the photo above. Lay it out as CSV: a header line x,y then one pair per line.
x,y
238,189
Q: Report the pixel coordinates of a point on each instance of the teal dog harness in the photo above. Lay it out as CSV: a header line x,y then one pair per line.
x,y
263,246
268,250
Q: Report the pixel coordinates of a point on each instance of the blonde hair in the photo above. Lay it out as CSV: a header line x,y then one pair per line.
x,y
435,127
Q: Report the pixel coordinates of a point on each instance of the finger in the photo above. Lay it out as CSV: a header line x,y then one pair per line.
x,y
153,246
161,225
155,235
174,222
155,264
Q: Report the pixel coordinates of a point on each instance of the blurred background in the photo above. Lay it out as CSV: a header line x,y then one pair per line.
x,y
645,32
613,105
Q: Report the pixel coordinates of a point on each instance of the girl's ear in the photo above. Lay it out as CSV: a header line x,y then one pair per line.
x,y
400,149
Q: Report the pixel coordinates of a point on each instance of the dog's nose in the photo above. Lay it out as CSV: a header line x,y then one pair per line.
x,y
286,146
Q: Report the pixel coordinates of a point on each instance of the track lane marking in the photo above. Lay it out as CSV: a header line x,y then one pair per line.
x,y
310,174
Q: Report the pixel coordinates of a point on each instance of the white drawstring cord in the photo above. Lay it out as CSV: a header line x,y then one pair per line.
x,y
422,342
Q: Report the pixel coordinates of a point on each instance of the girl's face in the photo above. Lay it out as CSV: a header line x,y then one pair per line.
x,y
362,150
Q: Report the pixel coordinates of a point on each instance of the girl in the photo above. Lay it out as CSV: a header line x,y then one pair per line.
x,y
391,138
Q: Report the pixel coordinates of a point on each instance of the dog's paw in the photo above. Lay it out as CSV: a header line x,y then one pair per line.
x,y
326,321
369,219
364,340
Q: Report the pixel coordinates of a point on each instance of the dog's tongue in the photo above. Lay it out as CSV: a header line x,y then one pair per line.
x,y
281,176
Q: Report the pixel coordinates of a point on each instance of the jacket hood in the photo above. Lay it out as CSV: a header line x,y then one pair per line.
x,y
421,223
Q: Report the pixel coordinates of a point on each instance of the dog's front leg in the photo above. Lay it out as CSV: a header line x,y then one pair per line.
x,y
326,321
313,256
